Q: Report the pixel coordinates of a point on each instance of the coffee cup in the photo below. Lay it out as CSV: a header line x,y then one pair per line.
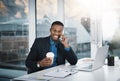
x,y
51,56
111,61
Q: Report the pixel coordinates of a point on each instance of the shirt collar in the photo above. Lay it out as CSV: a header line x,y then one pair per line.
x,y
51,41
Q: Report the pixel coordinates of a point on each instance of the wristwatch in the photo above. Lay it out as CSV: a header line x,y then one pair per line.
x,y
38,65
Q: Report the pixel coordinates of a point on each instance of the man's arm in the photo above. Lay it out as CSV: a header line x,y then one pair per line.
x,y
32,58
70,56
69,53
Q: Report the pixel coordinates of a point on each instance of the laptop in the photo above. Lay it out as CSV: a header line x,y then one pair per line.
x,y
95,64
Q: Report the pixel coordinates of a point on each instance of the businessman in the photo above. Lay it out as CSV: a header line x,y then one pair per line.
x,y
56,43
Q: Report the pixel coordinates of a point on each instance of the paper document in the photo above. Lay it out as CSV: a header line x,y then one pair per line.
x,y
60,73
33,78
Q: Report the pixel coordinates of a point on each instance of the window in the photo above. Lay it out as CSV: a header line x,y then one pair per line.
x,y
77,26
13,33
84,25
111,27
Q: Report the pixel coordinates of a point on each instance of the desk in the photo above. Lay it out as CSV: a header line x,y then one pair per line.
x,y
106,73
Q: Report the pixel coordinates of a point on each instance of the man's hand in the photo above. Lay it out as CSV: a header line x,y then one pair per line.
x,y
45,62
64,41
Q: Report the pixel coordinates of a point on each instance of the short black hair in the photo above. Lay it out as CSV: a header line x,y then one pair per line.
x,y
57,23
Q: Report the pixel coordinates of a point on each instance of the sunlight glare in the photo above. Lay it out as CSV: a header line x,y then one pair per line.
x,y
109,24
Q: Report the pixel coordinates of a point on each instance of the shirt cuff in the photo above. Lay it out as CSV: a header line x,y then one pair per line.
x,y
67,49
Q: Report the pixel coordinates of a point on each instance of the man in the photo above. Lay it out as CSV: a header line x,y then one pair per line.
x,y
56,43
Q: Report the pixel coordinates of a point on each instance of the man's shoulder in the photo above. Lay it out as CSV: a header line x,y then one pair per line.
x,y
43,38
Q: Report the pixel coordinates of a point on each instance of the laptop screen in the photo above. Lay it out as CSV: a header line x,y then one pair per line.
x,y
101,55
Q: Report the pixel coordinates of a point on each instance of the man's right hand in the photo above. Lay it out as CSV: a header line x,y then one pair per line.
x,y
45,62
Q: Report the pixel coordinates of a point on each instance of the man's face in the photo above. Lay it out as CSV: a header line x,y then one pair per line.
x,y
56,31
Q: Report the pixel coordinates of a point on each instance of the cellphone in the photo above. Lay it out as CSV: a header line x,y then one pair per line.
x,y
60,38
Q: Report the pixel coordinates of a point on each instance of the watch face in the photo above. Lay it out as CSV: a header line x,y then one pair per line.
x,y
38,65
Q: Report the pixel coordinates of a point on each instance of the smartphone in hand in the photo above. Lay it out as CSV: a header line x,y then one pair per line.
x,y
60,38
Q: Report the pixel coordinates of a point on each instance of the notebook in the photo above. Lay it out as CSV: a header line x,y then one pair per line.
x,y
97,63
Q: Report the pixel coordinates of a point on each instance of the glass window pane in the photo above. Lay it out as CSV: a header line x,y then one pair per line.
x,y
77,25
13,32
111,27
46,13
